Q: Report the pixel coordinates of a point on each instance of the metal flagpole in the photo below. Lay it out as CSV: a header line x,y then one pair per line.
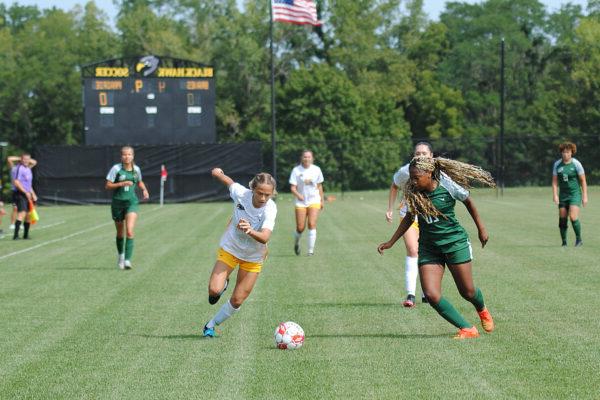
x,y
273,132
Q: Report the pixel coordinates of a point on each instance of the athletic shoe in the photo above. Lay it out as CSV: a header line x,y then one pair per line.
x,y
564,244
424,299
578,243
409,302
12,227
311,254
213,299
297,249
208,332
486,320
467,333
121,261
127,264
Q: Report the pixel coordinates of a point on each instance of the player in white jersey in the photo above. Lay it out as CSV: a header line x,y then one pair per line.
x,y
306,184
411,237
244,243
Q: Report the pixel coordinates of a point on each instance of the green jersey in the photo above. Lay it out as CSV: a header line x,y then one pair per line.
x,y
124,194
443,229
568,178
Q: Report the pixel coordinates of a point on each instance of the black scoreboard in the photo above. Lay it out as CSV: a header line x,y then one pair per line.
x,y
148,100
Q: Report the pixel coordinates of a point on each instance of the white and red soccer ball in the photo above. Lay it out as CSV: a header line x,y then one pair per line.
x,y
289,336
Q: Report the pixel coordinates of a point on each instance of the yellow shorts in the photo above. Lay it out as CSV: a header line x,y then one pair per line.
x,y
232,261
415,223
313,205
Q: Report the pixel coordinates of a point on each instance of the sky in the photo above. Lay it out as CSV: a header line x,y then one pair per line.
x,y
432,7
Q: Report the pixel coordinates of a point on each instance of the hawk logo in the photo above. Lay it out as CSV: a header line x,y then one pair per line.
x,y
147,64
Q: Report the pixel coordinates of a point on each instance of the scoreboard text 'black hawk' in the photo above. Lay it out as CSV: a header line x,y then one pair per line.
x,y
148,100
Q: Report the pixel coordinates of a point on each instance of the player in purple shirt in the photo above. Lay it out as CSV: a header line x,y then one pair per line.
x,y
23,193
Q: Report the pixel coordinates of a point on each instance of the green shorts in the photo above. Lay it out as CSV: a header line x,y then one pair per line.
x,y
119,211
449,254
565,202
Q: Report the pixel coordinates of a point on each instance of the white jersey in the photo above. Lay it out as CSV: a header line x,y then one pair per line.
x,y
306,181
236,241
400,178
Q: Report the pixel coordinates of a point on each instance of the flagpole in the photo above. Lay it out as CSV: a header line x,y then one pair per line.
x,y
273,132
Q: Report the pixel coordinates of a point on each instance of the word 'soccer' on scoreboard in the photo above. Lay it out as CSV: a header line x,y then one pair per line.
x,y
148,100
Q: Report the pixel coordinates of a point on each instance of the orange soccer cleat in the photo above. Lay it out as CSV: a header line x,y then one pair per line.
x,y
487,321
467,333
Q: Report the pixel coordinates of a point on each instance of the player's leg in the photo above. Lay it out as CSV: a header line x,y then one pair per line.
x,y
22,206
219,279
243,287
120,243
130,220
300,224
313,216
562,223
411,266
26,223
463,278
574,217
431,282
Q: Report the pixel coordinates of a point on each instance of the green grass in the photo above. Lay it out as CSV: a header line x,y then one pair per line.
x,y
74,326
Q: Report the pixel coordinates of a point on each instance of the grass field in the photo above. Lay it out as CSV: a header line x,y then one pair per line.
x,y
74,326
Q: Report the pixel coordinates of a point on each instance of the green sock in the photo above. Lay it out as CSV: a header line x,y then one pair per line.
x,y
128,248
477,300
562,225
450,314
119,245
577,228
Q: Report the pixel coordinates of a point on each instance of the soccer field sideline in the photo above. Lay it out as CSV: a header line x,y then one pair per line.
x,y
75,326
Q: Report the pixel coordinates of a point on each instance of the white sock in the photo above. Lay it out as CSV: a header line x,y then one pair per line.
x,y
312,238
297,236
224,312
411,272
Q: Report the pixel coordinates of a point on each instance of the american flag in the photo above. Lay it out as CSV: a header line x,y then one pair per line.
x,y
299,12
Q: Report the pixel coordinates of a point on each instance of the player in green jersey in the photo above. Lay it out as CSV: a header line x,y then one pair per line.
x,y
569,191
122,180
431,193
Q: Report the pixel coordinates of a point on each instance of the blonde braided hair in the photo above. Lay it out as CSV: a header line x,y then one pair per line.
x,y
462,173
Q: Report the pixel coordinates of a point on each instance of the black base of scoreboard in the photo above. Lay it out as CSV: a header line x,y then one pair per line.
x,y
77,174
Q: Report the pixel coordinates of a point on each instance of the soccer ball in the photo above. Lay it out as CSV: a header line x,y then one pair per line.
x,y
289,335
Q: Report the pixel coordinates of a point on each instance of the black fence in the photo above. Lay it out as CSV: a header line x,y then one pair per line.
x,y
369,164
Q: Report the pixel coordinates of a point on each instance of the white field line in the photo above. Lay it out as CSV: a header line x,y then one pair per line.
x,y
50,226
37,246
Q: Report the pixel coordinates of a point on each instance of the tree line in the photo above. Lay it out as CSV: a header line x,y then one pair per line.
x,y
359,90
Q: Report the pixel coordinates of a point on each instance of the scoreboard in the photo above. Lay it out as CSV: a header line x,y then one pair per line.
x,y
148,100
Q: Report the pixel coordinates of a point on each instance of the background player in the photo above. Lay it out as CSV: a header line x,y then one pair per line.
x,y
306,184
569,191
23,193
122,180
411,236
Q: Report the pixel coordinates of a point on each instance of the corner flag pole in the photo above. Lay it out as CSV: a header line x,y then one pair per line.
x,y
273,131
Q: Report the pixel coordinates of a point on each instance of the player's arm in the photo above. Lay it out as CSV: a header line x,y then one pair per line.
x,y
115,185
261,236
320,187
145,194
221,177
32,163
583,182
11,160
482,233
402,228
393,195
555,189
296,193
33,195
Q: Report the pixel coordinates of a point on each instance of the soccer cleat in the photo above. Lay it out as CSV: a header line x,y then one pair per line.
x,y
121,261
564,244
213,299
310,253
208,332
487,322
12,227
297,249
127,264
424,299
409,302
578,243
467,333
